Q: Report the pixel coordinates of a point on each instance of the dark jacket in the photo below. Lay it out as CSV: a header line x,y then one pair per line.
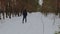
x,y
25,13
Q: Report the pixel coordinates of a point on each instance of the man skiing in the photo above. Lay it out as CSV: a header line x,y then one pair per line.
x,y
24,16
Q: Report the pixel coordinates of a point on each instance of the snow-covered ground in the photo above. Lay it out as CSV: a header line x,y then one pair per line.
x,y
34,24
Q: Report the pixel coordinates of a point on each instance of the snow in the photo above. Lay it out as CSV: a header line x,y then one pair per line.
x,y
34,24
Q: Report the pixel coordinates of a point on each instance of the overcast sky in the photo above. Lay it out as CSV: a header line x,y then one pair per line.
x,y
40,2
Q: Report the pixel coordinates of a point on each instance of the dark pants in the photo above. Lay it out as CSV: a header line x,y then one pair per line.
x,y
24,19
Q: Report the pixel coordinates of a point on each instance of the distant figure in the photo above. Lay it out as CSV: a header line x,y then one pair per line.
x,y
24,16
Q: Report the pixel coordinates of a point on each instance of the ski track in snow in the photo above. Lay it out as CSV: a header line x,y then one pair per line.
x,y
34,24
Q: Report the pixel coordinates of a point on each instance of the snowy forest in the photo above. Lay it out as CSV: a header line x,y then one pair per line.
x,y
16,6
43,16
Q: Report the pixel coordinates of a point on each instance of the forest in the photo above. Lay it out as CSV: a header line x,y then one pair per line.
x,y
51,6
14,7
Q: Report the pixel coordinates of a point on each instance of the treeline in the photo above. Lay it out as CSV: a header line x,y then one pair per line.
x,y
9,13
14,7
51,6
19,4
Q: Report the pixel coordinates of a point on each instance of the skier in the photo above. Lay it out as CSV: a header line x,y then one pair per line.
x,y
24,16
